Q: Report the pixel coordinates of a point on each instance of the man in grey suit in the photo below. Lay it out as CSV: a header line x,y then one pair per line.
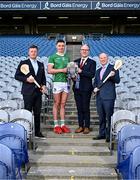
x,y
105,97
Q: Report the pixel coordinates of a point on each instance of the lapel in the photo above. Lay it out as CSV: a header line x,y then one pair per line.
x,y
78,62
85,64
39,67
107,71
31,68
98,74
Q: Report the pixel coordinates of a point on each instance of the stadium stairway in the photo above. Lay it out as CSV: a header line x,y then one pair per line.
x,y
73,51
71,156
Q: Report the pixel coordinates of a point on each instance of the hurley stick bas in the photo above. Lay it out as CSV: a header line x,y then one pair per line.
x,y
25,70
117,66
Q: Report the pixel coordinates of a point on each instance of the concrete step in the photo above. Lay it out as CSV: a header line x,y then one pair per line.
x,y
49,134
72,127
70,173
92,113
72,100
75,109
70,142
39,160
49,121
71,116
73,150
71,106
92,104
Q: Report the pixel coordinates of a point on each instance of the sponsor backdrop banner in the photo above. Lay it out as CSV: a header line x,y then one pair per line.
x,y
72,5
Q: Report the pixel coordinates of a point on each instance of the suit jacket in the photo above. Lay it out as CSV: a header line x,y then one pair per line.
x,y
88,72
107,91
29,88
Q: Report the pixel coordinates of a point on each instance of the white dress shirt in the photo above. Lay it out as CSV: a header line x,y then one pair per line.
x,y
35,65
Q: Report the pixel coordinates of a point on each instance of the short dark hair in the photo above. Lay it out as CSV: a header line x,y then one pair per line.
x,y
60,41
33,46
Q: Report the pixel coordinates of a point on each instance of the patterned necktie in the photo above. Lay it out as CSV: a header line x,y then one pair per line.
x,y
82,63
102,72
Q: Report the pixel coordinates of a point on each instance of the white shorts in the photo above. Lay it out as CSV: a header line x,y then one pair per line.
x,y
59,87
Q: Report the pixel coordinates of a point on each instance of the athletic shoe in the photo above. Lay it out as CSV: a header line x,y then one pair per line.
x,y
57,130
65,129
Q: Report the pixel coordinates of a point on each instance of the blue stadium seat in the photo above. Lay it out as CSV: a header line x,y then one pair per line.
x,y
128,140
14,136
115,45
21,44
7,163
3,170
24,118
134,167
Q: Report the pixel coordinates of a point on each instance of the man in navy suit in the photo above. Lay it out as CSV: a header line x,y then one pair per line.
x,y
32,95
82,88
105,96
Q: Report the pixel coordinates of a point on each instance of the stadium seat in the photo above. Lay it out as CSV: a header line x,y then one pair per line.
x,y
14,136
120,119
3,96
127,97
134,106
8,105
24,118
134,165
128,140
131,85
7,163
137,92
3,170
114,46
122,90
118,105
4,116
17,96
21,44
15,84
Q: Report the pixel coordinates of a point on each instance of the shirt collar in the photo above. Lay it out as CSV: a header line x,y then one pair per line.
x,y
84,59
105,66
33,60
59,54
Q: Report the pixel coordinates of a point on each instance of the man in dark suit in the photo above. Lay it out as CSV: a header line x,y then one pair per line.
x,y
32,95
82,88
105,97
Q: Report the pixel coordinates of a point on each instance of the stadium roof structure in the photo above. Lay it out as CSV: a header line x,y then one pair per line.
x,y
39,16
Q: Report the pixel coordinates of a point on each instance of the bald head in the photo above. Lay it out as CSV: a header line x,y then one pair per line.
x,y
103,57
85,46
84,51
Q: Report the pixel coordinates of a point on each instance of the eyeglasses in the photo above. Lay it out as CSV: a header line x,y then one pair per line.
x,y
84,49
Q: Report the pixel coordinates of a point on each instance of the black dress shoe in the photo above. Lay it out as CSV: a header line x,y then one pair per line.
x,y
107,140
40,135
99,137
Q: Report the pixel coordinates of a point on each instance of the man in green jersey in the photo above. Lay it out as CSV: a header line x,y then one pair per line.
x,y
58,67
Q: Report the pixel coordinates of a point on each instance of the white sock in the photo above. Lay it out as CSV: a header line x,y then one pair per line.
x,y
62,122
56,123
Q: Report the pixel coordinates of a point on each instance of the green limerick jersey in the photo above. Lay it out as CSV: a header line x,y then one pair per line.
x,y
59,62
